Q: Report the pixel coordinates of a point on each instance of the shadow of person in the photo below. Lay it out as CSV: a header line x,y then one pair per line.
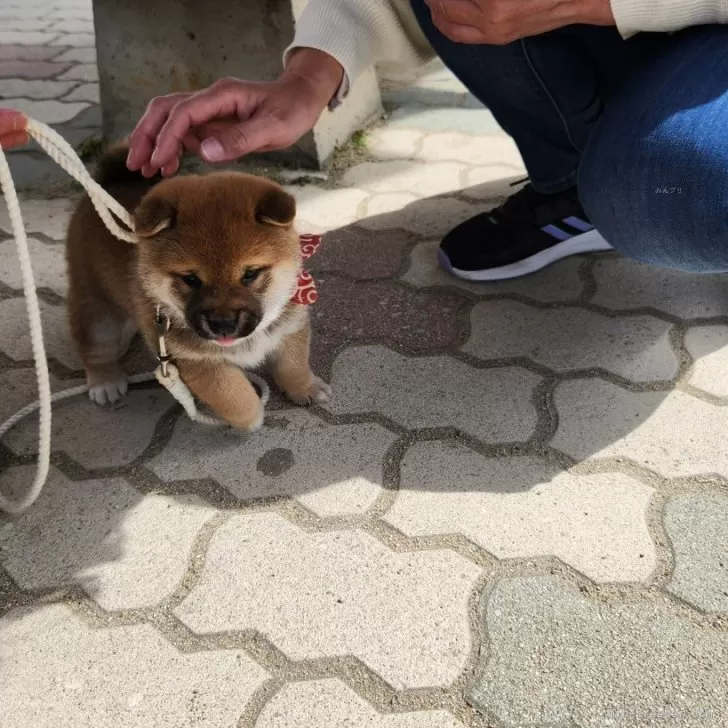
x,y
529,417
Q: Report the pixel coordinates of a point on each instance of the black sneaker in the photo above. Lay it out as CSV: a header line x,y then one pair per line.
x,y
527,233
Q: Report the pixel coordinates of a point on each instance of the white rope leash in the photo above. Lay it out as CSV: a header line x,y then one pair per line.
x,y
61,152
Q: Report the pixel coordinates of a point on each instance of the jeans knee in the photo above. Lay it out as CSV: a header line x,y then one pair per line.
x,y
648,204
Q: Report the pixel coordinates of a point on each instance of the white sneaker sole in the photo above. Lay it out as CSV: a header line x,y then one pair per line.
x,y
589,242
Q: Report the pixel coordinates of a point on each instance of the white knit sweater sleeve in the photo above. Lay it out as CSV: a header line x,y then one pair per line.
x,y
360,33
663,16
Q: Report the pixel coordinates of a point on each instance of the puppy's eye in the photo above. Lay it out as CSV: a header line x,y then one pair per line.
x,y
250,275
192,280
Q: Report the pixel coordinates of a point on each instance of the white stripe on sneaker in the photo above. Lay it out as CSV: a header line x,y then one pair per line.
x,y
588,242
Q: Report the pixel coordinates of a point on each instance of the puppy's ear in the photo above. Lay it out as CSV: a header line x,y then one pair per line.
x,y
153,215
276,207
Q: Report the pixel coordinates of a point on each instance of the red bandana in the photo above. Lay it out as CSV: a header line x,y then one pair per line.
x,y
306,292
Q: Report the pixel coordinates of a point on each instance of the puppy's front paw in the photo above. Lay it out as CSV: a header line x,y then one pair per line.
x,y
317,392
108,392
252,420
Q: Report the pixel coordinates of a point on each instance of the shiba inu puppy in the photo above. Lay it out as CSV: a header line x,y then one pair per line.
x,y
219,258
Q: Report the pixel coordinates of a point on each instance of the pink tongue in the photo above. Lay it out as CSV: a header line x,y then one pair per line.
x,y
226,340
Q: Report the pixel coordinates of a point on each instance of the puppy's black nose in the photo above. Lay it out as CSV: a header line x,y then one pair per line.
x,y
222,324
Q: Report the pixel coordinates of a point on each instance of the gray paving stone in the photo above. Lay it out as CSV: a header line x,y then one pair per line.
x,y
74,25
404,210
491,404
522,507
331,469
13,37
49,217
82,72
56,671
337,593
467,121
635,348
471,150
405,176
98,437
15,332
49,266
75,40
697,525
124,549
492,181
707,345
19,388
385,143
48,111
327,209
26,25
15,87
31,68
77,55
85,92
559,282
672,433
624,284
558,659
330,703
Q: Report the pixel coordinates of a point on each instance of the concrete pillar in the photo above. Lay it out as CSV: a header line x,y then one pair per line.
x,y
150,48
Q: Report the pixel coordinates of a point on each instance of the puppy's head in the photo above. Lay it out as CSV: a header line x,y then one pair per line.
x,y
219,252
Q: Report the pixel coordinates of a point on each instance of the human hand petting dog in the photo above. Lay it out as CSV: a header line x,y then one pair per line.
x,y
497,22
232,118
12,129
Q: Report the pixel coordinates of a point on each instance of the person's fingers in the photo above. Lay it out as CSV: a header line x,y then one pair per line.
x,y
13,139
12,128
466,34
238,139
144,137
222,99
458,12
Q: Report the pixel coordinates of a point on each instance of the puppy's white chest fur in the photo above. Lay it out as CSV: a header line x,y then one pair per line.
x,y
260,345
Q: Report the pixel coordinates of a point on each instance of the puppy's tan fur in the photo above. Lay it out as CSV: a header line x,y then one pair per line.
x,y
207,230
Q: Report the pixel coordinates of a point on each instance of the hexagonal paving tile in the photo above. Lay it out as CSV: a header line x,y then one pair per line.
x,y
98,437
522,507
672,433
337,594
126,550
15,333
708,345
433,216
405,176
330,703
636,348
50,110
56,671
471,150
558,658
384,143
491,404
19,388
49,266
34,89
362,254
49,217
331,469
560,282
697,525
625,284
327,209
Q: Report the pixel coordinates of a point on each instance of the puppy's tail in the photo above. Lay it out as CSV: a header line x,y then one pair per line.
x,y
111,168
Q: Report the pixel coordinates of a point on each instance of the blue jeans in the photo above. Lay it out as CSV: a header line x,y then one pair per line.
x,y
641,126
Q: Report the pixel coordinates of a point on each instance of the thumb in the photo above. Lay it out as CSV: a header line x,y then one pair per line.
x,y
235,139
